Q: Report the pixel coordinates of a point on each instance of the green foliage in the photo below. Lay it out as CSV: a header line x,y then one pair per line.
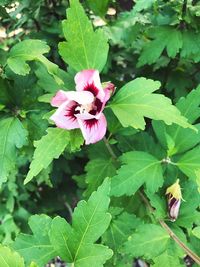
x,y
167,259
149,241
135,172
48,148
135,101
12,136
120,229
85,48
90,220
98,7
196,231
188,213
29,50
97,170
36,247
175,138
163,38
190,162
106,202
10,258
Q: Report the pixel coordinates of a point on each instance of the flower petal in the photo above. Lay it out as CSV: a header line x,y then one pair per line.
x,y
93,130
82,98
89,78
64,116
59,98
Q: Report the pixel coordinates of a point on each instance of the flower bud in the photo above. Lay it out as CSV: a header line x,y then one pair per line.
x,y
174,198
109,86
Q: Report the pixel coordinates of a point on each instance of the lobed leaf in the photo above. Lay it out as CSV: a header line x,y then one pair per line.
x,y
135,100
48,148
90,220
138,168
36,247
148,241
29,50
85,48
163,37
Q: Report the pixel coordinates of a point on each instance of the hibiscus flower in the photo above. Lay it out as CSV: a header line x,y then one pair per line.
x,y
83,108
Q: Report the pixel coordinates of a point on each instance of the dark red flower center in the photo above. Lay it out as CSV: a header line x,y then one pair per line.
x,y
90,123
97,105
71,110
91,88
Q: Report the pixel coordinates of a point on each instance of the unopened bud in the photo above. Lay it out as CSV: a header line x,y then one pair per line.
x,y
109,86
174,198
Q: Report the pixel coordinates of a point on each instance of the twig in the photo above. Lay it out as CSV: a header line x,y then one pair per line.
x,y
110,150
189,252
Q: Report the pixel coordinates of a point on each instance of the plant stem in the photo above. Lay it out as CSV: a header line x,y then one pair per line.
x,y
69,209
110,150
189,252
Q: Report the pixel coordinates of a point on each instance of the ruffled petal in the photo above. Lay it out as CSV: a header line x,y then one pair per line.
x,y
93,130
59,98
89,80
82,98
64,116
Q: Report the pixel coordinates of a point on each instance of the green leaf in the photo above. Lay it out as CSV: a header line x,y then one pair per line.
x,y
148,241
12,136
143,4
98,7
29,50
59,235
97,170
135,100
190,48
90,220
159,204
188,214
49,84
76,140
48,148
189,163
135,172
190,105
141,141
163,37
196,232
85,48
175,138
36,247
9,258
120,229
167,259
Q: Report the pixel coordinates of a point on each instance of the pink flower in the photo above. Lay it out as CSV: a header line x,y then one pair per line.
x,y
83,108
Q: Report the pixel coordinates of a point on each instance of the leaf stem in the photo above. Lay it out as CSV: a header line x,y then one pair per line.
x,y
189,252
110,150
